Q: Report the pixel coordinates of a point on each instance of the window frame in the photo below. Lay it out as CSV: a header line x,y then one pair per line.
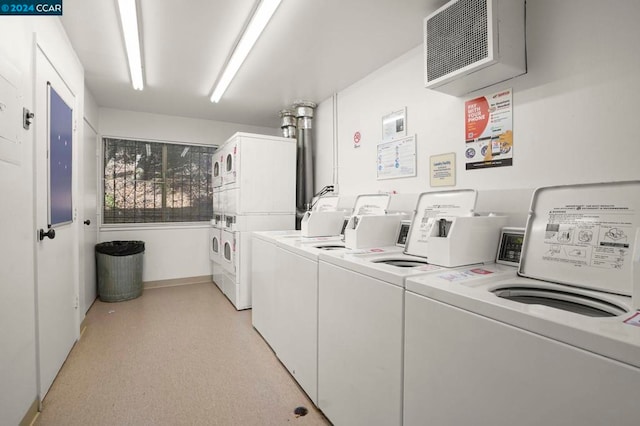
x,y
141,225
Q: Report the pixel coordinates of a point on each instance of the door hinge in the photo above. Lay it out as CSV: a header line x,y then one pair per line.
x,y
76,303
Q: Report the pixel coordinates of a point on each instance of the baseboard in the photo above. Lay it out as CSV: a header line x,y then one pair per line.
x,y
177,281
31,415
83,326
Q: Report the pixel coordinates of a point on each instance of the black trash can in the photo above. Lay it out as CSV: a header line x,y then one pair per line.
x,y
119,270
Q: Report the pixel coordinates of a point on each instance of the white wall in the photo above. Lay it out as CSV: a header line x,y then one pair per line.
x,y
18,385
574,113
171,251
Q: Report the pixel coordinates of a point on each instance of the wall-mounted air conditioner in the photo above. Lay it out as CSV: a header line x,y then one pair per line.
x,y
472,44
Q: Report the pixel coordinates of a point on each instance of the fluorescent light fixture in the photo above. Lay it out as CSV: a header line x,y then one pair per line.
x,y
259,21
129,19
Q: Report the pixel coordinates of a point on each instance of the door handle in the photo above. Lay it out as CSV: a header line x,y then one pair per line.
x,y
87,222
51,234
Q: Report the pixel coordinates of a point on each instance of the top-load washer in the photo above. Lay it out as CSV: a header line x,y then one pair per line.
x,y
294,339
265,270
360,306
555,345
264,277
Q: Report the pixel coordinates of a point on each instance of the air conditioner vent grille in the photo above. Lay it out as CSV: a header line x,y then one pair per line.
x,y
457,38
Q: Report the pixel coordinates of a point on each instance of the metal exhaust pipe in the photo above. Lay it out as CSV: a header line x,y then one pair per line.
x,y
304,173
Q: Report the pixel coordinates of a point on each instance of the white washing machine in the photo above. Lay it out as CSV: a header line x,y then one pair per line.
x,y
361,316
264,279
552,346
265,270
236,242
296,314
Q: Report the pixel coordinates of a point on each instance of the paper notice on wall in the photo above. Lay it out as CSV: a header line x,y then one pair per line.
x,y
489,131
443,169
397,158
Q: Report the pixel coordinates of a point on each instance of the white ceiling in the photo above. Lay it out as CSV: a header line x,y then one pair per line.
x,y
310,50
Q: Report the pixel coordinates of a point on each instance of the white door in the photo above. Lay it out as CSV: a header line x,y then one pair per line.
x,y
88,290
56,258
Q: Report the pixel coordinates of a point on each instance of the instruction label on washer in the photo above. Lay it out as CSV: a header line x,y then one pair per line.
x,y
464,275
589,235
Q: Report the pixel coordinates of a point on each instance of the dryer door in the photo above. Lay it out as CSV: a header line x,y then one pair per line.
x,y
228,251
217,169
230,164
214,244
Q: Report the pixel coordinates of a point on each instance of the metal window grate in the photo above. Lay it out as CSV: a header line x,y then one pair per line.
x,y
154,182
457,37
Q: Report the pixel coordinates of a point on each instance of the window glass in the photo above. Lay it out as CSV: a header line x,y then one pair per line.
x,y
154,182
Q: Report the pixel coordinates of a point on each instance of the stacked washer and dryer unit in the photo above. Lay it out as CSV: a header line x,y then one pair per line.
x,y
558,343
254,190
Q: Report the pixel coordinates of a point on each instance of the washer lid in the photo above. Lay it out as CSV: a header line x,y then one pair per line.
x,y
461,202
582,235
367,204
326,203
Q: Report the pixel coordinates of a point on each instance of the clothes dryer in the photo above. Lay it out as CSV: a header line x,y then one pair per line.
x,y
229,163
553,345
214,246
215,250
217,169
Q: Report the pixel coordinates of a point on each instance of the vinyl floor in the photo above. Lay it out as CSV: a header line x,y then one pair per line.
x,y
174,356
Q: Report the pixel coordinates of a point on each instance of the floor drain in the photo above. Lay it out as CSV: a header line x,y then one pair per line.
x,y
300,411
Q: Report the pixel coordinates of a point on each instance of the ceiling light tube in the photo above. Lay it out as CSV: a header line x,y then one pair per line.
x,y
259,21
129,20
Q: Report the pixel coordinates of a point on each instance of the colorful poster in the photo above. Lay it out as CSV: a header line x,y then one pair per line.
x,y
489,131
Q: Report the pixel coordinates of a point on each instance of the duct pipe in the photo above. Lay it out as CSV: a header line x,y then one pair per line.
x,y
288,123
304,172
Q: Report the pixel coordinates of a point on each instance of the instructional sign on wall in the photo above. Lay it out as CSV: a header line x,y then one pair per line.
x,y
397,158
394,125
489,131
443,169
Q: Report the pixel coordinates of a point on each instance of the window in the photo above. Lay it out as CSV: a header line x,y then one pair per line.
x,y
151,182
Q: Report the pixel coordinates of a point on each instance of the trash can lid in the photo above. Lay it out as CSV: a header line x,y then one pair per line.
x,y
120,248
